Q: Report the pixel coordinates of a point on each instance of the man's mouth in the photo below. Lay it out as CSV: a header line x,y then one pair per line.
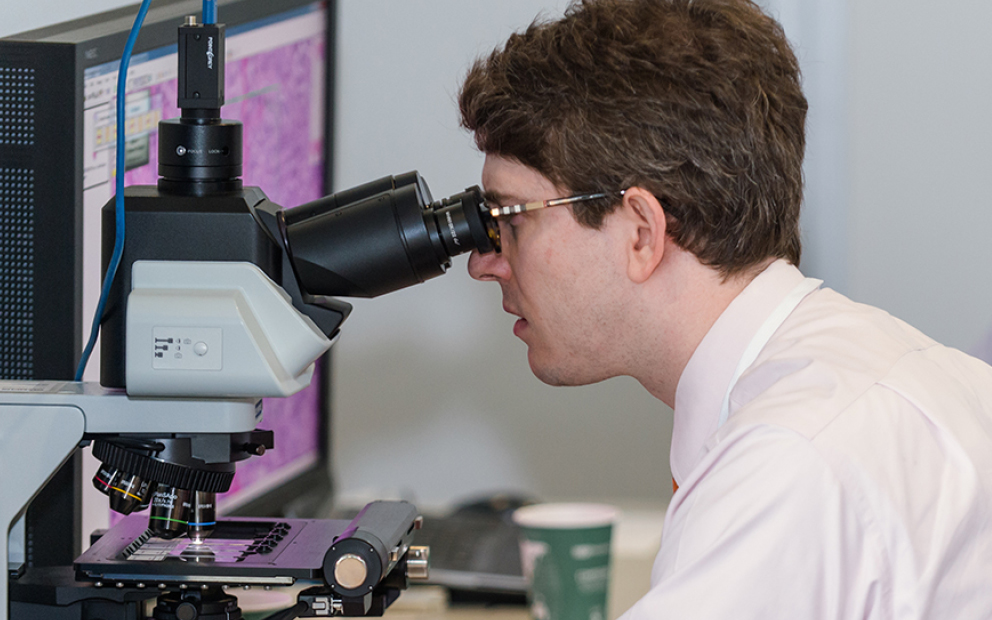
x,y
521,323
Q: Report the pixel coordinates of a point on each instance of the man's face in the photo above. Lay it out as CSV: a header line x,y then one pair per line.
x,y
562,279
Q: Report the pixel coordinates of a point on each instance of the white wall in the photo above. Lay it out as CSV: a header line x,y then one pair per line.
x,y
435,400
818,32
920,211
493,425
898,203
896,215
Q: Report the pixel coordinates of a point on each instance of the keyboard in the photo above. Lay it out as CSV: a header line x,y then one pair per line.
x,y
473,553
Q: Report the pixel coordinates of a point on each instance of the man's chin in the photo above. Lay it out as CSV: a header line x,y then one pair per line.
x,y
557,375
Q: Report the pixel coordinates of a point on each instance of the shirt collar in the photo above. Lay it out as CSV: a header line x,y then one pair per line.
x,y
708,374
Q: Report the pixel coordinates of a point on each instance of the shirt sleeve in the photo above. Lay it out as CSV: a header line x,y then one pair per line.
x,y
762,529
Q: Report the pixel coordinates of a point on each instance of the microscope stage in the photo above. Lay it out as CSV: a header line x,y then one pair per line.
x,y
238,552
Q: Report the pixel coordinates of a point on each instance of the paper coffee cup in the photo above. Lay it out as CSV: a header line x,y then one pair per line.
x,y
565,551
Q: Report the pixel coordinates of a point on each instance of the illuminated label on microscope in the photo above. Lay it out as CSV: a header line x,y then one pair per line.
x,y
210,52
164,500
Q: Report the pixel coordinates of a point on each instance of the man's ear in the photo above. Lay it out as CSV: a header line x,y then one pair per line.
x,y
646,233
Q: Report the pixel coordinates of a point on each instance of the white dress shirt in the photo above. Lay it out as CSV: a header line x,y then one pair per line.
x,y
851,480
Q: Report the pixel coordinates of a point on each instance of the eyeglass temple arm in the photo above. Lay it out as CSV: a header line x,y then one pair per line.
x,y
541,204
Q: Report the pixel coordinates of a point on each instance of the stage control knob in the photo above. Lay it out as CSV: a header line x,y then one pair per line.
x,y
350,571
187,611
418,561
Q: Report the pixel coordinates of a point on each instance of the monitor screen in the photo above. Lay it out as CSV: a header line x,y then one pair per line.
x,y
274,85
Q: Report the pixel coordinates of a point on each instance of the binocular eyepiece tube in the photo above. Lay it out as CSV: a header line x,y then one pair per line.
x,y
383,236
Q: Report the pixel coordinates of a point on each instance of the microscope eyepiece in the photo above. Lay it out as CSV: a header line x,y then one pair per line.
x,y
465,224
383,236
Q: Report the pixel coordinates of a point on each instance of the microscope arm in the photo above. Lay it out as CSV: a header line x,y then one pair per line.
x,y
37,439
42,423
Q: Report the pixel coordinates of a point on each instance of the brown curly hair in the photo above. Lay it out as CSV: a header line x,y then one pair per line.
x,y
697,101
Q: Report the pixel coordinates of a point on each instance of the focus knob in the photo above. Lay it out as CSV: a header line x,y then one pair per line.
x,y
187,611
418,563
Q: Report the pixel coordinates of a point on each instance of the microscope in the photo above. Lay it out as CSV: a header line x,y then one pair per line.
x,y
221,298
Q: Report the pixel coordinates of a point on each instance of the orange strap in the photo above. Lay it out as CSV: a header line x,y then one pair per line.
x,y
675,486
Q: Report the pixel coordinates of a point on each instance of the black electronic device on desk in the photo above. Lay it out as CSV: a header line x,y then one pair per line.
x,y
475,551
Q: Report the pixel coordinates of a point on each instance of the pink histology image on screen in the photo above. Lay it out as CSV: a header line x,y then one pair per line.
x,y
272,95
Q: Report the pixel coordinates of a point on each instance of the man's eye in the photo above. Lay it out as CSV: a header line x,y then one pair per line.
x,y
508,225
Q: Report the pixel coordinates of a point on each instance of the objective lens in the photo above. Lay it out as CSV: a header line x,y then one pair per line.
x,y
203,516
104,477
128,492
170,507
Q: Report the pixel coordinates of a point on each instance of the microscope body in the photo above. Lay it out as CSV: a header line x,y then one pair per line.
x,y
221,298
176,229
187,248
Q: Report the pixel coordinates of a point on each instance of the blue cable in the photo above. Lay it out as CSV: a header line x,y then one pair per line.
x,y
115,259
209,11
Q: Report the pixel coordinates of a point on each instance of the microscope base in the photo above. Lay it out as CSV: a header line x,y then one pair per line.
x,y
54,594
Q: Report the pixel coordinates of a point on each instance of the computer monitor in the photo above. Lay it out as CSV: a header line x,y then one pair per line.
x,y
58,131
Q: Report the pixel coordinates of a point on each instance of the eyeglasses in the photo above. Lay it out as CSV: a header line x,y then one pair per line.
x,y
542,204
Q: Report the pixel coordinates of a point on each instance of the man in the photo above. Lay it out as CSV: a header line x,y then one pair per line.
x,y
831,461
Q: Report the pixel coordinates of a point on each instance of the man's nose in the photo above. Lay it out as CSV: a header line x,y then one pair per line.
x,y
488,266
